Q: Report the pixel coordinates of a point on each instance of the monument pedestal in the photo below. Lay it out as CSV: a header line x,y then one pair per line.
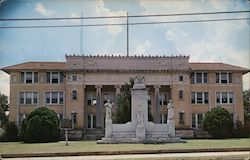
x,y
140,132
108,128
171,127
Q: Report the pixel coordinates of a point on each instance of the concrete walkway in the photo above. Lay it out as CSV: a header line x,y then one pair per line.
x,y
244,155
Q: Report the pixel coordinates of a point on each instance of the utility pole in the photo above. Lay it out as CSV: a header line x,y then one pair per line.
x,y
127,36
81,32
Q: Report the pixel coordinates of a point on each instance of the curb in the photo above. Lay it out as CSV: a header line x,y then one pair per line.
x,y
23,155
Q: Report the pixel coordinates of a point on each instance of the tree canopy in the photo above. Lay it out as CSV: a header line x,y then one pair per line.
x,y
218,122
41,125
3,108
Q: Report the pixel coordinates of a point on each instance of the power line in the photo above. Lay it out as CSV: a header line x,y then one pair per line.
x,y
131,16
116,24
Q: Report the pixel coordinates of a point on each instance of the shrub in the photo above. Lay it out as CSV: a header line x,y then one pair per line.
x,y
41,125
218,122
10,133
241,131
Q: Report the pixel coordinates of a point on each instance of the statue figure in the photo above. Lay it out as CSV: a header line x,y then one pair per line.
x,y
139,80
170,110
140,118
108,106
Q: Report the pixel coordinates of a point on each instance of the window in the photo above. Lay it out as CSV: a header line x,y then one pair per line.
x,y
74,119
230,78
181,118
29,77
54,97
199,97
21,97
47,97
91,99
55,77
205,77
35,97
192,78
193,120
61,77
206,97
225,97
61,97
197,120
74,94
163,99
217,78
199,77
163,118
193,97
28,98
74,77
180,94
224,77
231,97
181,78
91,121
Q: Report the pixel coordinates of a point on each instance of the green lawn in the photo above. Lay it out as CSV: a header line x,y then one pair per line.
x,y
84,146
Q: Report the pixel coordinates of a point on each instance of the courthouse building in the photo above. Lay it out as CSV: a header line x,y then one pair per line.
x,y
78,88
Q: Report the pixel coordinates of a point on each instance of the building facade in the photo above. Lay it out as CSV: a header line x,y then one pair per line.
x,y
78,88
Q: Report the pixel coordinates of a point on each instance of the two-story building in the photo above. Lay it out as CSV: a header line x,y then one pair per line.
x,y
78,88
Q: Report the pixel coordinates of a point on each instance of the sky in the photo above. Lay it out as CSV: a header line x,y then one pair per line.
x,y
223,41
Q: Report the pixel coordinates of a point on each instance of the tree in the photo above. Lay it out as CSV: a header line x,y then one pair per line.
x,y
218,122
123,111
3,108
246,101
10,132
41,125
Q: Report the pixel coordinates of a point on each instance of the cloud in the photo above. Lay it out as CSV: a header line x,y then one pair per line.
x,y
5,83
142,48
209,42
102,11
43,11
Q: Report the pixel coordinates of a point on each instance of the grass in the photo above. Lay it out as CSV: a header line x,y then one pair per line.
x,y
88,146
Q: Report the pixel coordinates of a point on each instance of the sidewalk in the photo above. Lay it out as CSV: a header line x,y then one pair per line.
x,y
138,152
173,156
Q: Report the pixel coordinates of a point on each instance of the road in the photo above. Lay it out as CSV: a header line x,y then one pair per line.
x,y
245,155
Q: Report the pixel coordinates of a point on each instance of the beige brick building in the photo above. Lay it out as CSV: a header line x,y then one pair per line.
x,y
78,88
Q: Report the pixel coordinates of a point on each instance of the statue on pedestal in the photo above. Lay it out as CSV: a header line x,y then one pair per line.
x,y
108,106
139,80
170,110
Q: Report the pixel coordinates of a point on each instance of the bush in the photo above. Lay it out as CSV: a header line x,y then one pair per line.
x,y
10,133
218,122
241,131
40,126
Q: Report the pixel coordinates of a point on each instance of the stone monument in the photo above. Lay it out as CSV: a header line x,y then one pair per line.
x,y
139,130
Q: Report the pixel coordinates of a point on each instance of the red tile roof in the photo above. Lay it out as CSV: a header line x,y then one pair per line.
x,y
36,66
217,67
